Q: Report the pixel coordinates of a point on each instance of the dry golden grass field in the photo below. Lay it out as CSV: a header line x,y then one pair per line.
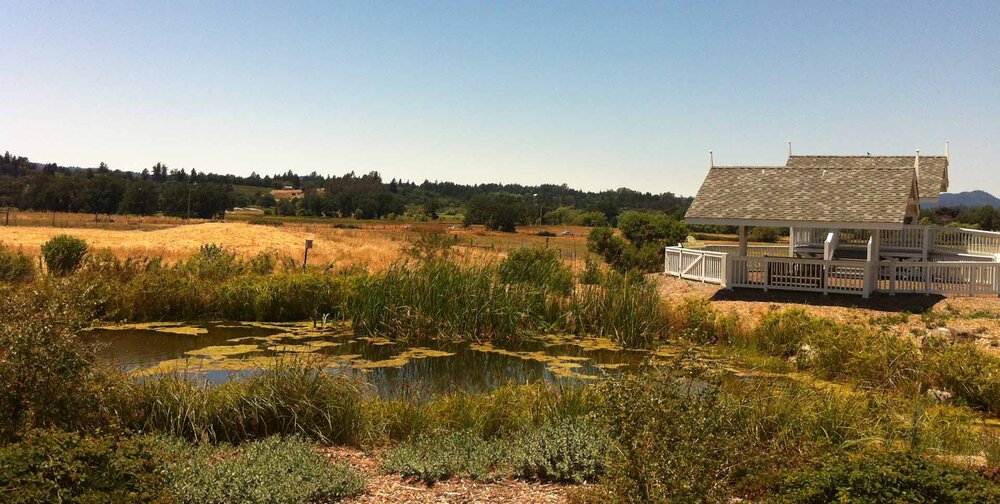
x,y
373,245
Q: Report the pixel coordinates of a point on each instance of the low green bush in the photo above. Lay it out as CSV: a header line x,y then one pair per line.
x,y
431,459
571,450
64,254
56,466
886,477
15,266
270,471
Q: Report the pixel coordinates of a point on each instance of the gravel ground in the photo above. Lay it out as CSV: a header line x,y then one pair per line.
x,y
383,488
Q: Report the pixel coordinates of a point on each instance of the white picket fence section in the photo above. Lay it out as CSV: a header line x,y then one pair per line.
x,y
833,276
789,273
696,264
972,278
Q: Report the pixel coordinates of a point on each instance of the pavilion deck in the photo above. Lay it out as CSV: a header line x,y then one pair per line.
x,y
914,259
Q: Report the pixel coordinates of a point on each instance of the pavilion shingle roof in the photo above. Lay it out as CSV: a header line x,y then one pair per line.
x,y
932,179
852,194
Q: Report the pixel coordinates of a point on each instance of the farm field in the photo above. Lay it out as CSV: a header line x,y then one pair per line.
x,y
373,245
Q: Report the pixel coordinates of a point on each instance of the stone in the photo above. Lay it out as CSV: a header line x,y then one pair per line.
x,y
938,396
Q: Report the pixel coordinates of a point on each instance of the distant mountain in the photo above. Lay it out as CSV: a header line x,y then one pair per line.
x,y
967,199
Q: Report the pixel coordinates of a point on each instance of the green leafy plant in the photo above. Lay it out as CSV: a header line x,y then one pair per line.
x,y
57,466
886,477
432,459
270,471
15,266
64,254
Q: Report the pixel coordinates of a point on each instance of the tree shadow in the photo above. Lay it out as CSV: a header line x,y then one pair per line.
x,y
912,303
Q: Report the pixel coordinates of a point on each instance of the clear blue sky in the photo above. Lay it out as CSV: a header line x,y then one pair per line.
x,y
596,95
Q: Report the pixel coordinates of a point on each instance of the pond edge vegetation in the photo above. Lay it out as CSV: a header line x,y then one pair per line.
x,y
857,404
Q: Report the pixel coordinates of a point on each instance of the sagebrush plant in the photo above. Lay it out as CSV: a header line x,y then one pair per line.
x,y
566,450
461,454
274,470
64,254
15,266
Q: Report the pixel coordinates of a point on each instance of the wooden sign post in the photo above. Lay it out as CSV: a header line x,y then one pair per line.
x,y
305,255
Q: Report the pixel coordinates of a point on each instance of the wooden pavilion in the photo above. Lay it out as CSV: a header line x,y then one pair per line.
x,y
853,228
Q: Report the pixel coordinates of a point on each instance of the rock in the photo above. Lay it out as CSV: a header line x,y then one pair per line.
x,y
938,396
941,332
961,335
805,355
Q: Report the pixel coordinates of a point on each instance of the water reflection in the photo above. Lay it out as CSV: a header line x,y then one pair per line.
x,y
221,351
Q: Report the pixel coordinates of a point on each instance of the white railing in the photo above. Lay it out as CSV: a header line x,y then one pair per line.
x,y
812,275
769,267
695,264
752,250
968,241
906,238
973,278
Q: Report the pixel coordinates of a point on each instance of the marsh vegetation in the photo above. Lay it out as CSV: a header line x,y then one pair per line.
x,y
788,407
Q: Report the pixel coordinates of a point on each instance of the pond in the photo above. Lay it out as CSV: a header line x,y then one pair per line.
x,y
218,352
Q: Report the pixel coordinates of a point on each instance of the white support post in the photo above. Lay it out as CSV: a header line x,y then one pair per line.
x,y
743,241
926,243
726,268
892,278
791,234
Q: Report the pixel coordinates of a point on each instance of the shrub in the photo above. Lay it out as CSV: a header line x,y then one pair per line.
x,y
570,450
536,267
271,471
261,221
432,459
55,466
591,274
763,234
264,262
211,262
886,477
547,234
673,440
783,333
64,254
48,377
15,266
968,372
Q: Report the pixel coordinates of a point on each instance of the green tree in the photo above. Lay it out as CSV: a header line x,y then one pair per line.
x,y
497,211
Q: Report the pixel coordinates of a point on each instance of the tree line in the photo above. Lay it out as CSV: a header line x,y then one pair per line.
x,y
179,192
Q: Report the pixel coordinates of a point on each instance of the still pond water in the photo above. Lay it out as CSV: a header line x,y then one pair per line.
x,y
218,352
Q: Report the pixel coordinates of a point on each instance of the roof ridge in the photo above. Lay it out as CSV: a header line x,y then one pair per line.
x,y
908,156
